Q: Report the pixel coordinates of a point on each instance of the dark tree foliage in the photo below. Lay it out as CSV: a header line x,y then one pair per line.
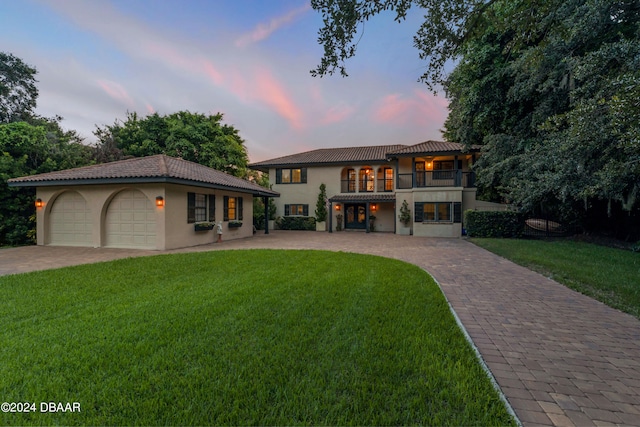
x,y
550,89
18,91
27,148
195,137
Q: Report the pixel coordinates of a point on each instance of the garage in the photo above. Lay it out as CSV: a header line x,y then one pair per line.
x,y
130,221
70,221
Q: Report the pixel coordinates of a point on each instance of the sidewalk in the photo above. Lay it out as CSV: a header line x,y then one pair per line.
x,y
560,358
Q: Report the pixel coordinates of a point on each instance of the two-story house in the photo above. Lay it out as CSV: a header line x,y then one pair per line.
x,y
434,177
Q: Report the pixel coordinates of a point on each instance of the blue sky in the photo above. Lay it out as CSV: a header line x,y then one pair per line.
x,y
247,59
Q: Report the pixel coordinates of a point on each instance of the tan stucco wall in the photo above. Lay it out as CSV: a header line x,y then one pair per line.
x,y
387,214
331,177
172,229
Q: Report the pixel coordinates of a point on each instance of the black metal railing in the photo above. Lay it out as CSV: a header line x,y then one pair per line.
x,y
385,185
440,178
348,186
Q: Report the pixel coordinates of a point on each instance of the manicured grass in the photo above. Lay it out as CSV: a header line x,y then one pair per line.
x,y
609,275
254,337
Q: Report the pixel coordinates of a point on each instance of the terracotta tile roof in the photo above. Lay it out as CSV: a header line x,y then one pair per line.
x,y
364,197
158,168
325,156
428,147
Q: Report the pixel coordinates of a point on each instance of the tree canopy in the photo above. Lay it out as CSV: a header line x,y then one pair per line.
x,y
195,137
549,89
18,90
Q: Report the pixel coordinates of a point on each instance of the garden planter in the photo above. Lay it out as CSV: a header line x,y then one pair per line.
x,y
321,225
203,227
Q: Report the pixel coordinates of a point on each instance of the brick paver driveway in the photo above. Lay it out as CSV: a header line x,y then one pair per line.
x,y
560,358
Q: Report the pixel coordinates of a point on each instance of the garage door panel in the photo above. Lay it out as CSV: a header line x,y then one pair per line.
x,y
131,221
70,221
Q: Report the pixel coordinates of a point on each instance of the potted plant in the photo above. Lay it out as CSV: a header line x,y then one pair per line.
x,y
372,226
339,222
235,224
203,226
405,219
321,209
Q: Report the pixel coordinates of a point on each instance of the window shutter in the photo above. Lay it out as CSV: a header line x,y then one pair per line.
x,y
287,209
303,175
191,208
305,210
278,176
418,210
212,207
239,201
457,212
226,208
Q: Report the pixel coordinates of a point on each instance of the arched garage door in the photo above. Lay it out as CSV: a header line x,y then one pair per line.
x,y
70,221
130,221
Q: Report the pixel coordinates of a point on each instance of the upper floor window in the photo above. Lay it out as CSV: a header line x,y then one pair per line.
x,y
350,182
388,179
201,207
367,181
291,176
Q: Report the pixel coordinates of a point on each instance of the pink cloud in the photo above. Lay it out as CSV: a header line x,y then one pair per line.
x,y
420,109
271,92
117,92
264,30
336,114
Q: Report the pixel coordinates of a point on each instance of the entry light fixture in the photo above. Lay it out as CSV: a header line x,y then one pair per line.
x,y
39,203
159,201
338,207
374,207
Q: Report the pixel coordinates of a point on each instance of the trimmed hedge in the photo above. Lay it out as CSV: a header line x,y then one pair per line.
x,y
296,223
493,224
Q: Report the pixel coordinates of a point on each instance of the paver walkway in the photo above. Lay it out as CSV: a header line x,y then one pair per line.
x,y
559,357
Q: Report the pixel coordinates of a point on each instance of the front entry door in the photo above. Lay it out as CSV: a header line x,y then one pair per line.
x,y
355,216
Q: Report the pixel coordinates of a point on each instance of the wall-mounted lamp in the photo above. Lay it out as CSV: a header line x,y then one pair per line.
x,y
39,203
159,201
374,207
338,207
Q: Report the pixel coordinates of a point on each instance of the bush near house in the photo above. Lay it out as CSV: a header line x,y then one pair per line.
x,y
493,224
296,223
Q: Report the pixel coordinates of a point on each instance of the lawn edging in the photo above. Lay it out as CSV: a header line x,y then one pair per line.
x,y
479,357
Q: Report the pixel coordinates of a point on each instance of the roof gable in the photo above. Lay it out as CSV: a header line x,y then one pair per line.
x,y
158,168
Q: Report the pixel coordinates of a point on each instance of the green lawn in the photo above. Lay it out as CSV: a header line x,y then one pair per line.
x,y
258,337
607,274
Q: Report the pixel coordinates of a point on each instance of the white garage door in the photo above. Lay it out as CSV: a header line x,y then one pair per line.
x,y
131,221
70,221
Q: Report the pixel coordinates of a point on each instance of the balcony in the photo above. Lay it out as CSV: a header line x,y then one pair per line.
x,y
348,186
439,178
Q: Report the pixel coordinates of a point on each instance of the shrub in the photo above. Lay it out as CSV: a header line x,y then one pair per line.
x,y
493,224
321,204
296,223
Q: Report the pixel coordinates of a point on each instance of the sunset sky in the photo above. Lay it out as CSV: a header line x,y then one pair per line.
x,y
247,59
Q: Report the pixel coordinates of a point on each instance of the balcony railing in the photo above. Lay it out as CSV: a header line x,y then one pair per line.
x,y
439,178
348,186
385,185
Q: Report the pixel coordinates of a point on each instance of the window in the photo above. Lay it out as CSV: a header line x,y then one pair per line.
x,y
291,176
443,169
233,208
366,180
438,212
351,181
388,179
296,210
201,207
